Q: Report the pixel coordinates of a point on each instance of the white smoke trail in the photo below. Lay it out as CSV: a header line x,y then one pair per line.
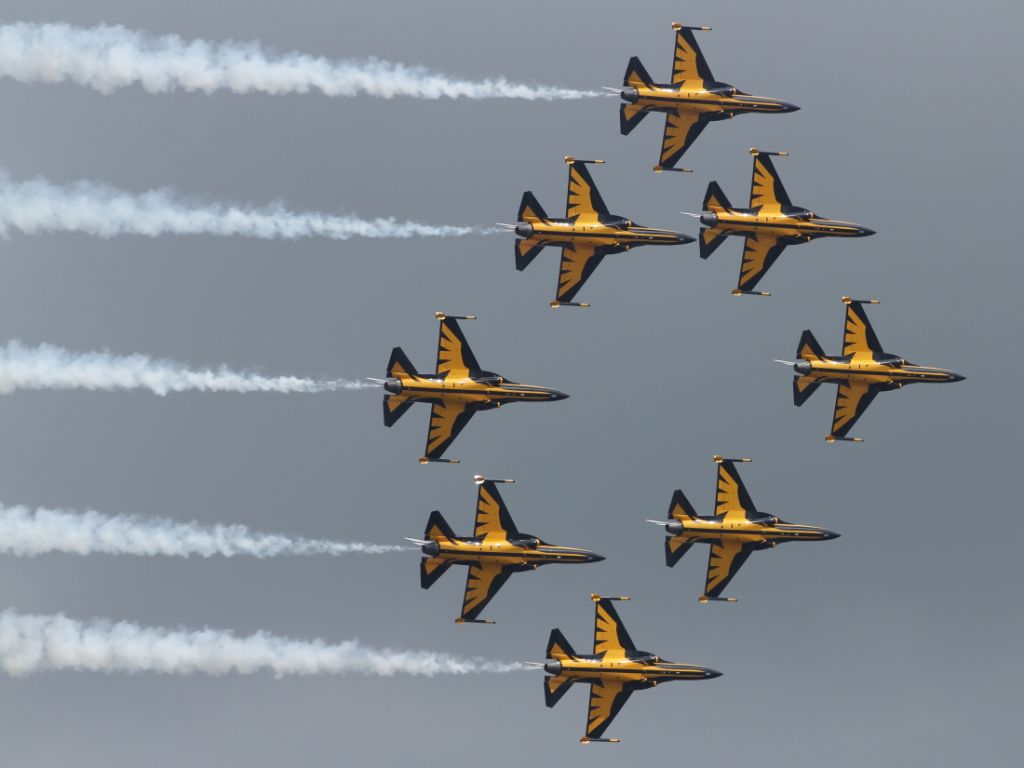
x,y
106,58
27,532
40,643
50,367
37,206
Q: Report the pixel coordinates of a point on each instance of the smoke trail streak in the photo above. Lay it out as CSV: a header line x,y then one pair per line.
x,y
40,643
50,367
26,532
37,206
106,58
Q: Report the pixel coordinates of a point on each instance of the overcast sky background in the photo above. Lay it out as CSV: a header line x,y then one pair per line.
x,y
898,643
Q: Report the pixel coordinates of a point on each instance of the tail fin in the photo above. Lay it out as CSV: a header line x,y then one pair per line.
x,y
558,647
555,687
432,569
809,348
803,388
636,75
715,199
630,116
530,210
438,528
394,407
710,239
399,366
526,251
681,508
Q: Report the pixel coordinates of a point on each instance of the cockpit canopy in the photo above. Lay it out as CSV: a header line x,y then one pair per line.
x,y
723,89
491,379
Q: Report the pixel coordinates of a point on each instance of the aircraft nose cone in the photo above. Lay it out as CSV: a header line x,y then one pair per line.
x,y
595,558
956,377
865,232
556,395
711,673
684,239
829,535
787,107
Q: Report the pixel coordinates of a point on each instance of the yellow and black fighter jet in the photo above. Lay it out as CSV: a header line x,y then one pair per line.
x,y
614,670
692,100
458,388
862,371
735,530
768,225
586,235
495,551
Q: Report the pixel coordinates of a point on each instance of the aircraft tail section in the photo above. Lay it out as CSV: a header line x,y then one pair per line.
x,y
555,688
809,348
630,116
530,212
636,75
803,388
558,647
715,199
710,239
432,569
399,366
438,528
680,508
526,251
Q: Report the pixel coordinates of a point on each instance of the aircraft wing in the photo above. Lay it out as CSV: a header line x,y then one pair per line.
x,y
859,339
493,520
732,501
852,399
447,419
766,190
453,353
576,267
483,580
610,636
607,697
759,253
682,127
724,560
582,199
688,63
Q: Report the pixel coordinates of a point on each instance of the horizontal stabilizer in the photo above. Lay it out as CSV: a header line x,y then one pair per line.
x,y
803,388
558,647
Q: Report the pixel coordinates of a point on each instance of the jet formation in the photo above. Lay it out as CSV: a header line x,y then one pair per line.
x,y
768,224
614,670
456,390
587,234
734,531
495,551
691,101
861,372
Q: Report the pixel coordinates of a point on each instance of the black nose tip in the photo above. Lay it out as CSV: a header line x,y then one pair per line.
x,y
956,377
684,239
556,395
595,558
787,107
829,535
711,673
865,232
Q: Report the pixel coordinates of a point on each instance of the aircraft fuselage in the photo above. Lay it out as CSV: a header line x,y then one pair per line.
x,y
719,102
770,531
526,551
805,226
647,669
894,372
621,236
487,390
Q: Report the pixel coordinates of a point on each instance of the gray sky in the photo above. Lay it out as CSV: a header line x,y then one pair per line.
x,y
897,644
